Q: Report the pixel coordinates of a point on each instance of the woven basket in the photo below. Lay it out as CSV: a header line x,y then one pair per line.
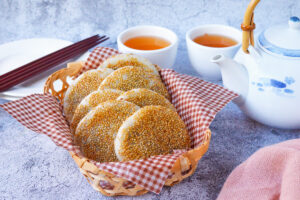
x,y
107,183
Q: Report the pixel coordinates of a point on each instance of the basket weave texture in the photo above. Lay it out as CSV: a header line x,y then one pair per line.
x,y
105,182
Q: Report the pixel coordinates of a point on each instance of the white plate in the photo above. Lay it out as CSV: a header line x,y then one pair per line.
x,y
18,53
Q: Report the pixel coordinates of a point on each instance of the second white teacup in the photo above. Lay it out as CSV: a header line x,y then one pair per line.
x,y
201,55
164,57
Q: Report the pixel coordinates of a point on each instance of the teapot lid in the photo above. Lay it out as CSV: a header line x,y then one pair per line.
x,y
282,39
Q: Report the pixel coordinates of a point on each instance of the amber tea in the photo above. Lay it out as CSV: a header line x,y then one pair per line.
x,y
147,43
218,41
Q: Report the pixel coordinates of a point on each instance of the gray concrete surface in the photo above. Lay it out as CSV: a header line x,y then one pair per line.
x,y
32,167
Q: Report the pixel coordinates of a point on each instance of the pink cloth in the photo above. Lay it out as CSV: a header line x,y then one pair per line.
x,y
271,173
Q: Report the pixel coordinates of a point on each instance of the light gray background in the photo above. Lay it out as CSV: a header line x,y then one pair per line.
x,y
32,167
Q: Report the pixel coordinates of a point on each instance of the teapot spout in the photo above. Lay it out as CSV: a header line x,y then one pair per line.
x,y
234,75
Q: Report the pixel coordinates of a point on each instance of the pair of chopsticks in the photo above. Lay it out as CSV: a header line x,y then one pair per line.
x,y
47,62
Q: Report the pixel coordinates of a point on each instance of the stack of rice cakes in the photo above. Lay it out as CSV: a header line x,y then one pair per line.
x,y
122,111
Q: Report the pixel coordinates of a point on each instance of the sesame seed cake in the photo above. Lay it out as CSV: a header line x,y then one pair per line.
x,y
121,60
81,87
90,102
130,77
144,97
152,130
96,132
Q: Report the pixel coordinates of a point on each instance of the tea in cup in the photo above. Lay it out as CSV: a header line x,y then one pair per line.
x,y
204,42
156,43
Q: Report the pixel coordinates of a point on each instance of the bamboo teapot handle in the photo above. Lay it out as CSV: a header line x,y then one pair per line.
x,y
248,26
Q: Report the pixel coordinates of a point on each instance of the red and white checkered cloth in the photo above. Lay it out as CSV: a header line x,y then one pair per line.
x,y
196,101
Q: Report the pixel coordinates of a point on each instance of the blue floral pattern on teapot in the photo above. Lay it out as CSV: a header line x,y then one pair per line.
x,y
281,88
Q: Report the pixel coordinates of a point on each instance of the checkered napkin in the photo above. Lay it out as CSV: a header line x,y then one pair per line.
x,y
196,101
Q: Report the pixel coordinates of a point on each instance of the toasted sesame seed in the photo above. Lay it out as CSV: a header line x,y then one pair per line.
x,y
136,77
90,102
96,132
144,97
81,87
152,130
120,60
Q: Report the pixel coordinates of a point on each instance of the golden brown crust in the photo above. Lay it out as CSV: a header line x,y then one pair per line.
x,y
144,97
90,102
96,132
81,87
121,60
130,77
153,130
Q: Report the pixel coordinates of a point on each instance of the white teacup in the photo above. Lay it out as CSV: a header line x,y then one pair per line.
x,y
201,55
164,57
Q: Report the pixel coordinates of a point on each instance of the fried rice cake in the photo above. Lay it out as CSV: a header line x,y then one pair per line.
x,y
152,130
131,77
121,60
81,87
96,132
90,102
144,97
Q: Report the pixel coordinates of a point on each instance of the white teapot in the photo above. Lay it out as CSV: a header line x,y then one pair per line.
x,y
267,76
